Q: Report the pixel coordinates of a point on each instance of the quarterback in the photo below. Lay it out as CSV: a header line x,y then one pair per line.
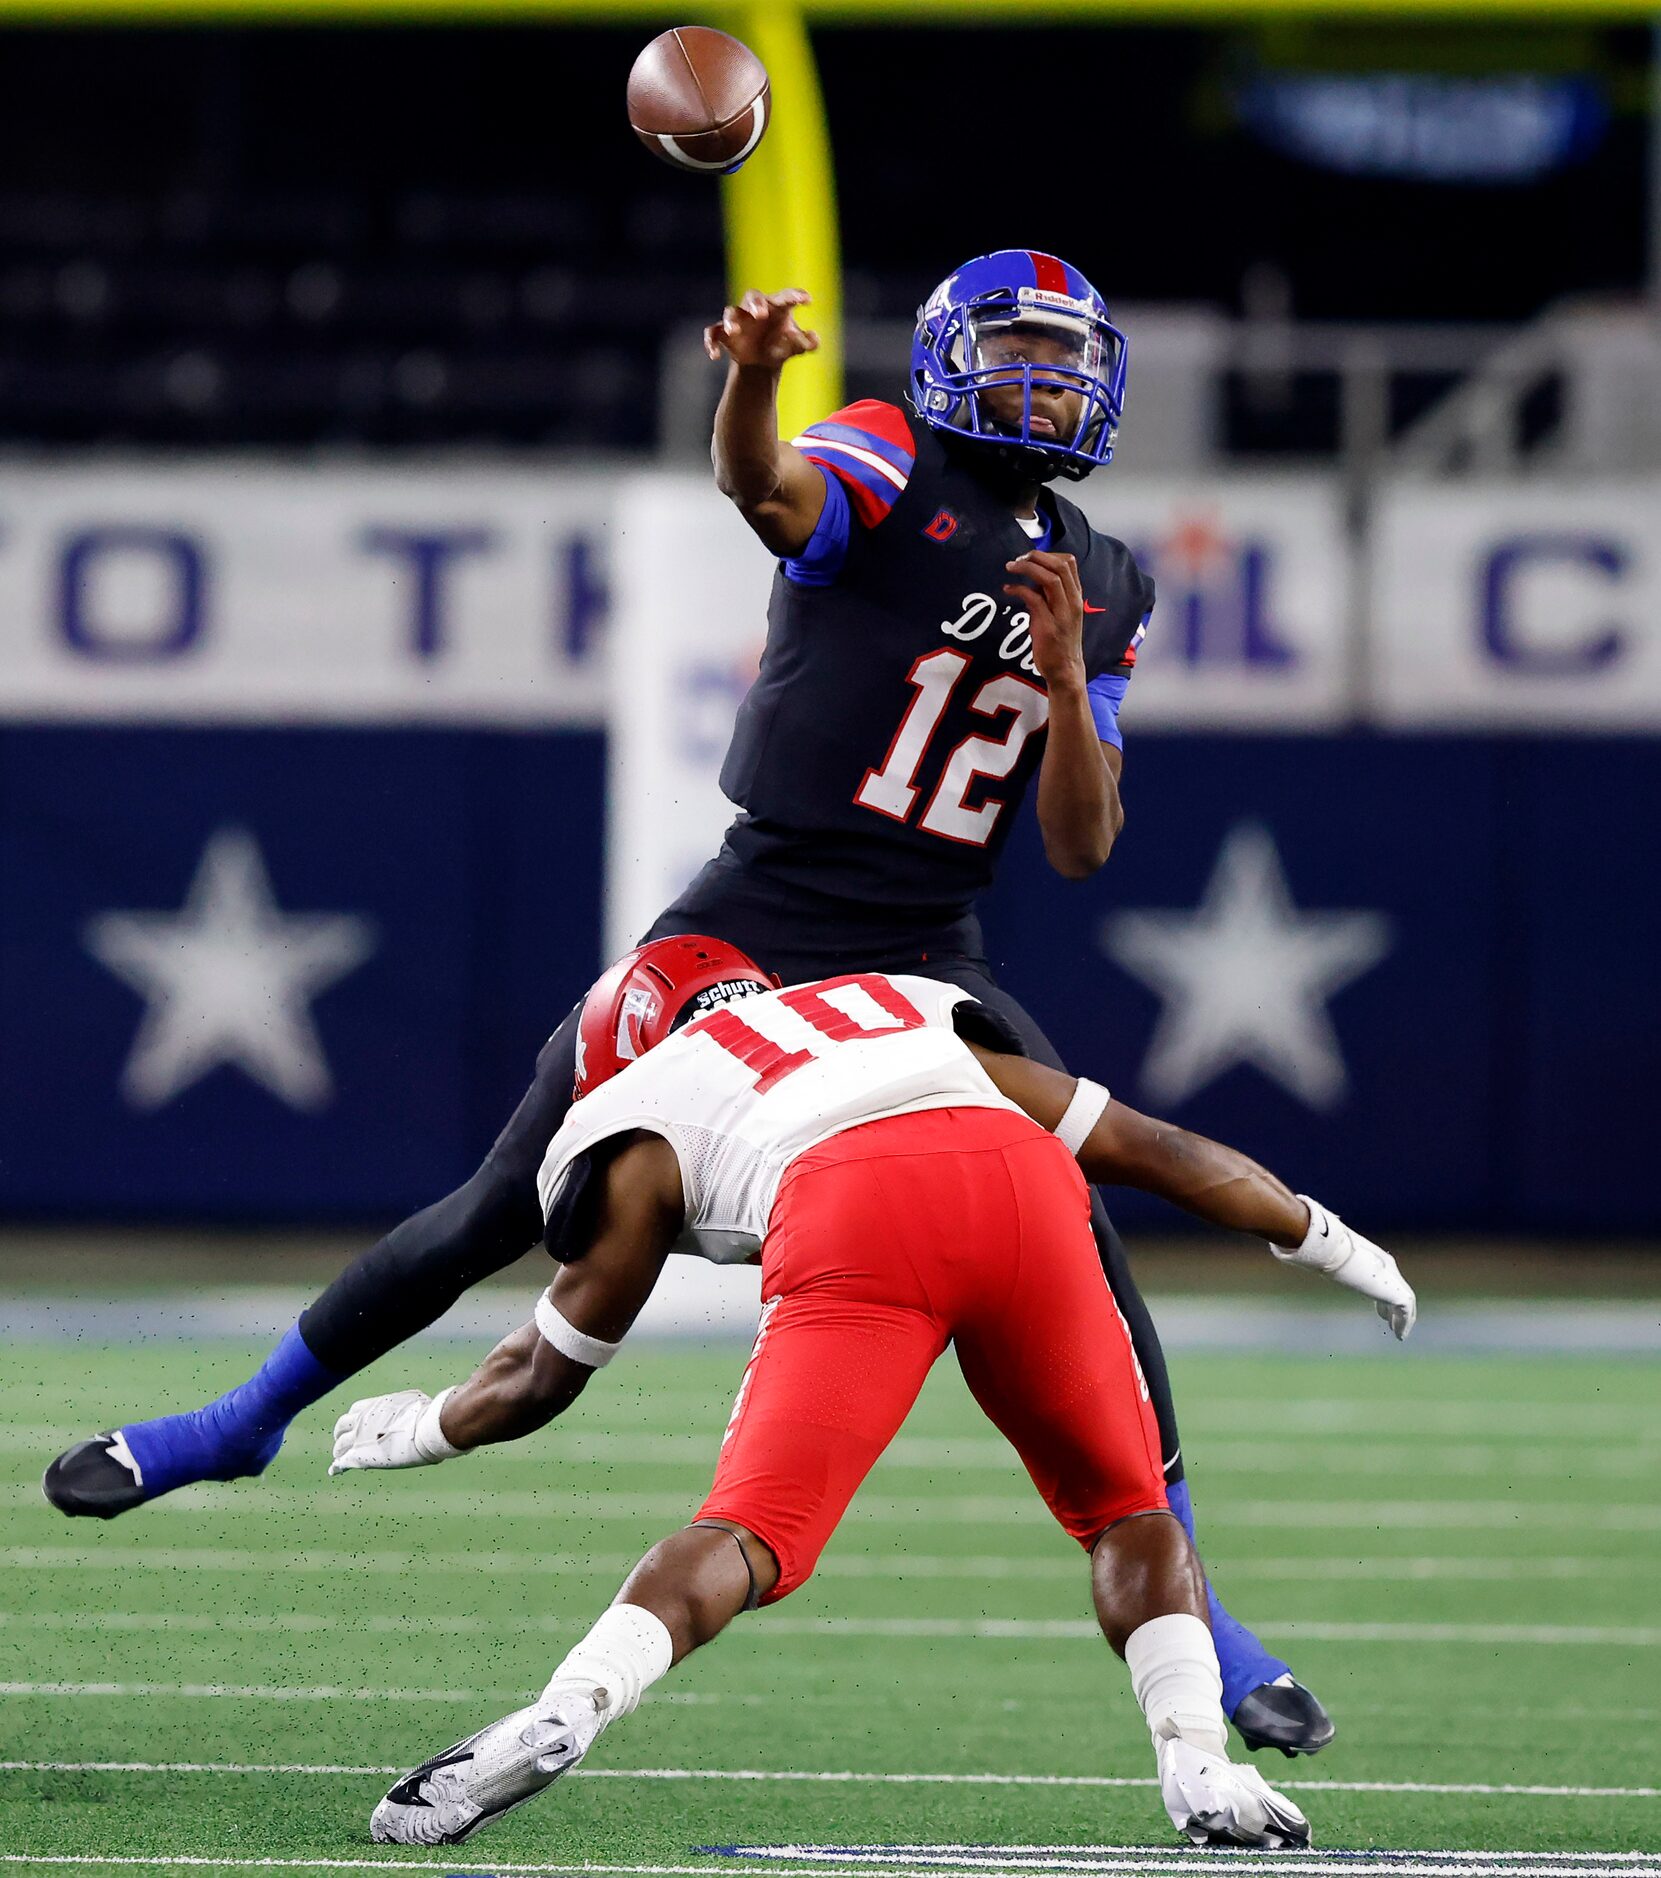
x,y
946,632
904,1188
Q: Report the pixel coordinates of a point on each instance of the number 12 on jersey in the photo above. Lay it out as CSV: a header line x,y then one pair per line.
x,y
838,1021
892,790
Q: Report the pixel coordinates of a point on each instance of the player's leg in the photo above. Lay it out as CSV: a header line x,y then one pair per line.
x,y
1268,1707
846,1338
681,1595
1047,1355
407,1281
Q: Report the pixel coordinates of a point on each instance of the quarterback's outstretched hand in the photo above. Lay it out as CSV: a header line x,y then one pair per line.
x,y
399,1430
762,330
1343,1255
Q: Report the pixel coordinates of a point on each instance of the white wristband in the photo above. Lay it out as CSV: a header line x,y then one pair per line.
x,y
1326,1246
429,1438
1082,1114
594,1352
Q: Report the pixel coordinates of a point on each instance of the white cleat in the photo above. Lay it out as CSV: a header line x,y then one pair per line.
x,y
448,1798
1217,1802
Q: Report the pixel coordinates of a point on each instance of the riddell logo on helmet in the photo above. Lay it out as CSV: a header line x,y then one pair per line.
x,y
1039,296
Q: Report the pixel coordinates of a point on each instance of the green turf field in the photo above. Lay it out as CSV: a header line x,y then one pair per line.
x,y
1459,1554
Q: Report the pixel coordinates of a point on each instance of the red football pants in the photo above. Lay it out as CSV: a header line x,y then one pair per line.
x,y
968,1226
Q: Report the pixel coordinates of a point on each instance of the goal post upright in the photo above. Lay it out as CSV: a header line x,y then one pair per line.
x,y
780,209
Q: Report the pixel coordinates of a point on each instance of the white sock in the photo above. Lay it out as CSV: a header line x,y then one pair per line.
x,y
622,1656
1173,1669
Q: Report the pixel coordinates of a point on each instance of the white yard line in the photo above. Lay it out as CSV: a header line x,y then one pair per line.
x,y
597,1506
899,1565
1178,1854
886,1865
400,1864
1345,1455
1336,1417
1007,1859
1280,1417
818,1777
890,1862
1012,1629
330,1692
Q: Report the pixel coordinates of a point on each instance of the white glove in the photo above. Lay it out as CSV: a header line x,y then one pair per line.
x,y
392,1431
1332,1247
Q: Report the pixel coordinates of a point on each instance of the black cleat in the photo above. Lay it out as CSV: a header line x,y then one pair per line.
x,y
95,1479
1283,1715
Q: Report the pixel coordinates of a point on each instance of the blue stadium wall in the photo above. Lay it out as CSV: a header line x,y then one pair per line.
x,y
1499,1056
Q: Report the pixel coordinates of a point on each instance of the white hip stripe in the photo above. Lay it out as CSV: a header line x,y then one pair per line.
x,y
1083,1113
594,1352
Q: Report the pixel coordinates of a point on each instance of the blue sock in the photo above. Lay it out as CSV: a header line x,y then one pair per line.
x,y
238,1434
1243,1660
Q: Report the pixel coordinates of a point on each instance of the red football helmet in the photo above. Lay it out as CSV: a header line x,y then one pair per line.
x,y
652,991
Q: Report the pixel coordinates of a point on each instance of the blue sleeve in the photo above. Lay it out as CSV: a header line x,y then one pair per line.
x,y
821,560
1106,694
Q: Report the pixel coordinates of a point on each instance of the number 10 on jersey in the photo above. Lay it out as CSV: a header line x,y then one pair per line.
x,y
892,789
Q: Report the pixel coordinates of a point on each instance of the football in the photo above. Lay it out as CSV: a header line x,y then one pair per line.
x,y
698,99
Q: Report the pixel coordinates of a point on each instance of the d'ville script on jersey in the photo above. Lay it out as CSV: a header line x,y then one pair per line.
x,y
980,610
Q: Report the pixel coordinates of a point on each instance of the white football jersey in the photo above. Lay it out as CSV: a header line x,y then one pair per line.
x,y
746,1088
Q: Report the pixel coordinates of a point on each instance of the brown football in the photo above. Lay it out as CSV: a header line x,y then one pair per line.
x,y
698,98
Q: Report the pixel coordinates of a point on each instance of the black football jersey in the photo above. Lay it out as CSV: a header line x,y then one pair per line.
x,y
898,717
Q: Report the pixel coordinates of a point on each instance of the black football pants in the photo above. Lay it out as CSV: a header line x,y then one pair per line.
x,y
420,1268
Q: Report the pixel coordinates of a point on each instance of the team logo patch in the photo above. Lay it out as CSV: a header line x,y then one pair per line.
x,y
640,1006
943,527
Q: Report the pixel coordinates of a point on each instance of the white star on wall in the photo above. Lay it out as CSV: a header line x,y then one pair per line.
x,y
1245,977
229,979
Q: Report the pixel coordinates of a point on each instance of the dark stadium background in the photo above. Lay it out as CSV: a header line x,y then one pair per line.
x,y
335,245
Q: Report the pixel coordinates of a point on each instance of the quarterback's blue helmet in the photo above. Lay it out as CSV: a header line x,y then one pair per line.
x,y
1018,317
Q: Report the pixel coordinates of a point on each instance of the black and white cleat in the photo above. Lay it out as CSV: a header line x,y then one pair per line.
x,y
95,1479
1215,1801
456,1793
1283,1714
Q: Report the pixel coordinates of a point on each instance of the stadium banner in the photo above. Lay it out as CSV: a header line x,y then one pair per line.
x,y
232,591
1251,626
1413,974
1519,605
264,974
691,585
261,974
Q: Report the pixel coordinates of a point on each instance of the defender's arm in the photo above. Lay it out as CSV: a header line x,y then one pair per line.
x,y
1128,1149
776,489
531,1376
1206,1178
